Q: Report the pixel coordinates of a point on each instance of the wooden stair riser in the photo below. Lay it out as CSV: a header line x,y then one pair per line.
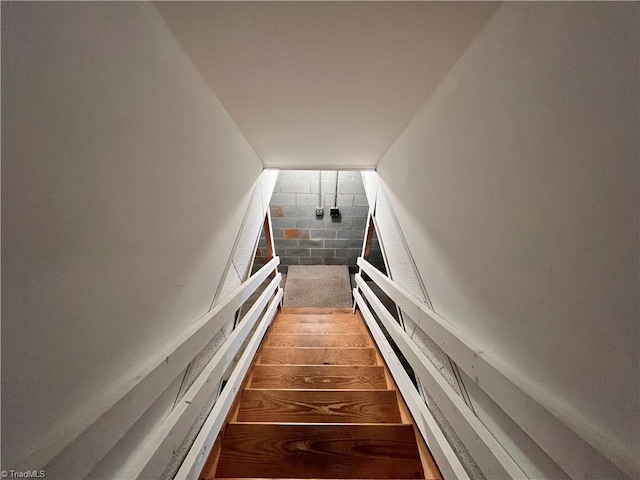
x,y
308,340
319,319
319,403
319,406
319,376
318,329
317,356
319,451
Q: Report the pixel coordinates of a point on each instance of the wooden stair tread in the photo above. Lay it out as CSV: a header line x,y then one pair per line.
x,y
319,406
306,340
319,403
318,376
318,319
317,356
319,451
318,329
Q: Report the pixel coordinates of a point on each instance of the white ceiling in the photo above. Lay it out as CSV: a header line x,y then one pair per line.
x,y
323,84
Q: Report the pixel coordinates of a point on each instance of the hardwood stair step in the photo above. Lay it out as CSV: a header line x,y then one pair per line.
x,y
319,451
319,376
318,329
319,406
319,403
315,310
307,340
317,356
318,319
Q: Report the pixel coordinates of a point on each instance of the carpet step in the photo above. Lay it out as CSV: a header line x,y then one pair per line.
x,y
319,451
319,376
319,406
317,356
307,340
316,310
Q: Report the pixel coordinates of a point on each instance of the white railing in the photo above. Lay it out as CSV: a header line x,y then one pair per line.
x,y
571,452
152,460
119,413
199,451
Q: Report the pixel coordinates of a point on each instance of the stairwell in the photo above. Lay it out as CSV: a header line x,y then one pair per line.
x,y
319,402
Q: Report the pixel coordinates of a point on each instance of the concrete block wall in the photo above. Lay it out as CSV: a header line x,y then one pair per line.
x,y
300,237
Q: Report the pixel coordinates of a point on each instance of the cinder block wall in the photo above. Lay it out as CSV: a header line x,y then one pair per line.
x,y
300,237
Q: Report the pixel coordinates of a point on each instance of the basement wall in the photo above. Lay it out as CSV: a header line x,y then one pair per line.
x,y
125,183
516,187
300,237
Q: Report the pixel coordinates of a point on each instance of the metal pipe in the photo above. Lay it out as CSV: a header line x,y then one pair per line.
x,y
335,197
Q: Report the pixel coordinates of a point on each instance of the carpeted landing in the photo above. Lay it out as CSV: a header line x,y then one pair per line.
x,y
317,286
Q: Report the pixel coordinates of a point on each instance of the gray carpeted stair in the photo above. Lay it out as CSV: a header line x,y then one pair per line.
x,y
317,286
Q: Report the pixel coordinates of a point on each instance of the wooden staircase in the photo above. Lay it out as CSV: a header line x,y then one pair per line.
x,y
319,403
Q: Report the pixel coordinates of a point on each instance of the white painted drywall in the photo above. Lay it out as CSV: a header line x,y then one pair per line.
x,y
324,84
516,187
125,183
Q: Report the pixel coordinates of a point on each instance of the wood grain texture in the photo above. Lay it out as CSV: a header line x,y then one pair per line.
x,y
321,376
319,403
318,329
319,406
319,451
307,340
319,319
318,356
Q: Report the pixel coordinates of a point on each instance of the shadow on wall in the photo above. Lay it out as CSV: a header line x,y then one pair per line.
x,y
301,237
375,256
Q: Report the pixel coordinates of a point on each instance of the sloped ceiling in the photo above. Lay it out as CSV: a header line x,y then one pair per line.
x,y
324,84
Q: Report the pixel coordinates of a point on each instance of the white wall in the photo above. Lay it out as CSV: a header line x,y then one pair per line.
x,y
516,186
324,84
124,183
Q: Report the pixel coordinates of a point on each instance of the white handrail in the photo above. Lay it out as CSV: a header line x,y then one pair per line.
x,y
94,434
492,459
151,461
199,451
572,452
448,463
